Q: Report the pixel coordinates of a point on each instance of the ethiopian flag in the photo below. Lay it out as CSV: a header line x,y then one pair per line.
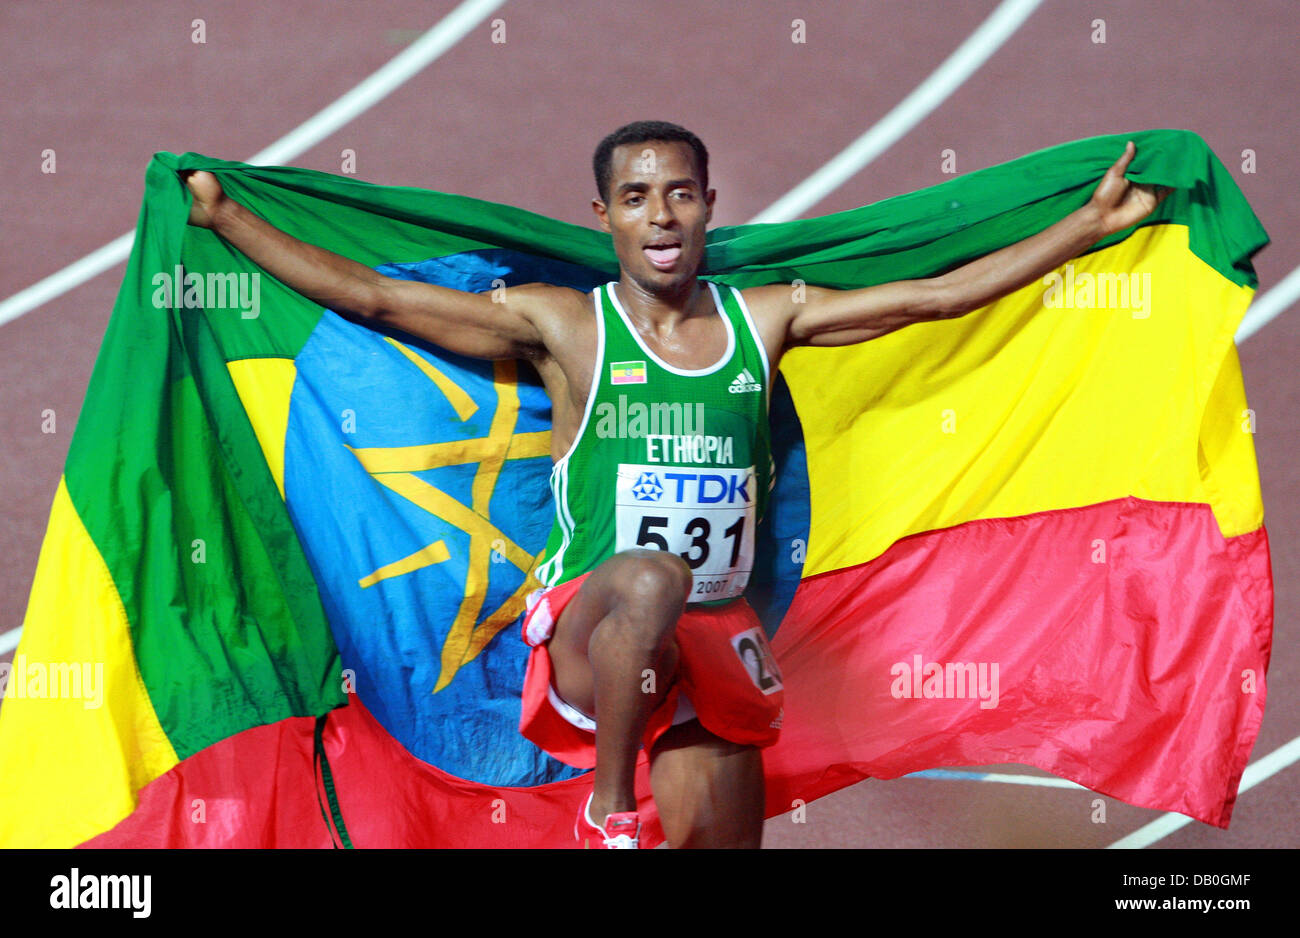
x,y
279,597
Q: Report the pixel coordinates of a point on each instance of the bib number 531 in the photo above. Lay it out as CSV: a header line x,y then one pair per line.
x,y
697,530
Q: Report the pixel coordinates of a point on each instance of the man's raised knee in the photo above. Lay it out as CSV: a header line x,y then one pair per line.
x,y
650,588
655,575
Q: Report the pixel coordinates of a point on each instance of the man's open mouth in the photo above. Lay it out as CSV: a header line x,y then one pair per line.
x,y
663,255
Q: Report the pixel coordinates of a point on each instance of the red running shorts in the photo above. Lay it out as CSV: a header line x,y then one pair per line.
x,y
726,672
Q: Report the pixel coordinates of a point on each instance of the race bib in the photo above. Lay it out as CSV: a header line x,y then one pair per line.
x,y
756,655
704,515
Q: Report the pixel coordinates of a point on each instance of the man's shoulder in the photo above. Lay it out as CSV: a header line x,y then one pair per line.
x,y
769,300
548,299
560,314
547,304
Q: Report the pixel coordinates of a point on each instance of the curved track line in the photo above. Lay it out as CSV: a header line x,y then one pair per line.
x,y
1039,781
1268,306
1162,827
909,112
397,71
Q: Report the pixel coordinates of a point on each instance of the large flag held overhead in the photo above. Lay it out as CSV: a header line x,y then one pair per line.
x,y
278,600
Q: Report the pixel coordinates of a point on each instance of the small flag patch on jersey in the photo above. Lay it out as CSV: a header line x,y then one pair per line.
x,y
627,372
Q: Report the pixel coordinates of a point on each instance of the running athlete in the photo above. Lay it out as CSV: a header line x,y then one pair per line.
x,y
641,634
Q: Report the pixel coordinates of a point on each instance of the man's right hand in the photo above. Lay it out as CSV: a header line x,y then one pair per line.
x,y
208,197
479,325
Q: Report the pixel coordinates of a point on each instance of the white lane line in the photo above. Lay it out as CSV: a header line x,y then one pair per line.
x,y
450,30
9,640
1266,307
927,96
404,66
1161,827
75,274
1049,781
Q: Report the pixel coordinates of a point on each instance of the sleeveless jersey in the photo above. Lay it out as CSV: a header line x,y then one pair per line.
x,y
667,458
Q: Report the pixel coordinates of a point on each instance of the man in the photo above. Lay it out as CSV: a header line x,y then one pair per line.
x,y
642,635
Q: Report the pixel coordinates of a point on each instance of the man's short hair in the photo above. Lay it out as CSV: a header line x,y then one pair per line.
x,y
645,132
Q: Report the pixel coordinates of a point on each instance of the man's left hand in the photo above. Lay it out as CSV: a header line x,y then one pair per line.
x,y
1119,203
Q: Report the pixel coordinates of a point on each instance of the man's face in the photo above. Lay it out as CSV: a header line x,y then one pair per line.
x,y
657,213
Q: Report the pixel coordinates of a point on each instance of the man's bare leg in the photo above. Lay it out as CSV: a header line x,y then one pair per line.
x,y
709,791
618,626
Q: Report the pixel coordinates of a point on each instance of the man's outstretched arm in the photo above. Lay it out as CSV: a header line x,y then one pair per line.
x,y
844,317
466,323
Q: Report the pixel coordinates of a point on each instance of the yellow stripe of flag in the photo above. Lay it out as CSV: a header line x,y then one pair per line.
x,y
1023,407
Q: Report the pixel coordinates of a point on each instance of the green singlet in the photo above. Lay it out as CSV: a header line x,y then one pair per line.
x,y
667,458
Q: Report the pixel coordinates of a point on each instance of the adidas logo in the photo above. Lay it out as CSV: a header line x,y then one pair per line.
x,y
744,382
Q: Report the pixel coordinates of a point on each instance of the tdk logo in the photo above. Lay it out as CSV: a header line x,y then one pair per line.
x,y
704,488
744,382
647,488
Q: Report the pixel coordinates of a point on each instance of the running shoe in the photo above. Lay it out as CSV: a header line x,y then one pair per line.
x,y
622,830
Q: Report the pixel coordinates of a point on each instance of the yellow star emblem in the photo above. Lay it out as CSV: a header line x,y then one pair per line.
x,y
395,466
